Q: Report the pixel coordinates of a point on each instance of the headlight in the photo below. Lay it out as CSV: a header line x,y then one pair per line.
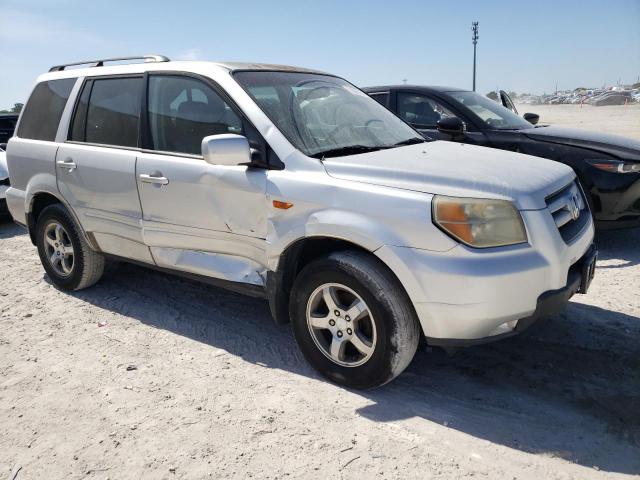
x,y
479,223
615,166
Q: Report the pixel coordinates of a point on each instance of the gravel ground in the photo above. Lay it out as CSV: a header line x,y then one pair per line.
x,y
189,381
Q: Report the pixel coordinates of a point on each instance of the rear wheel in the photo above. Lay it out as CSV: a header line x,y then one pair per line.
x,y
352,320
65,255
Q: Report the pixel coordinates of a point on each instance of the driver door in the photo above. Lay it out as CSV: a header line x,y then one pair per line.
x,y
198,217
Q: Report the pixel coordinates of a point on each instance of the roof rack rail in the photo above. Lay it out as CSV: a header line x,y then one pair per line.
x,y
101,62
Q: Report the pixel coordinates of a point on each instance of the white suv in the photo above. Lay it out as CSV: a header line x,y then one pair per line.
x,y
294,185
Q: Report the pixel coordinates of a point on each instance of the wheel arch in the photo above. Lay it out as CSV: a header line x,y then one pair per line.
x,y
40,200
36,204
294,257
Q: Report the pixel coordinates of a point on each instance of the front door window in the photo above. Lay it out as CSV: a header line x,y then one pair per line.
x,y
421,111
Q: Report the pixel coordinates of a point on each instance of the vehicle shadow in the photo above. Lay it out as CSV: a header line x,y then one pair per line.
x,y
621,245
9,229
570,389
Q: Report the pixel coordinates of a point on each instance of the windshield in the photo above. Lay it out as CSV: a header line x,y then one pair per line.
x,y
325,116
491,113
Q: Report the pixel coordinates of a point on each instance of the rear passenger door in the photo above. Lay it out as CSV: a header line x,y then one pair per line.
x,y
198,217
96,166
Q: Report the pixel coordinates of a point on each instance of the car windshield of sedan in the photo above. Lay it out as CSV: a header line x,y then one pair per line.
x,y
491,113
325,116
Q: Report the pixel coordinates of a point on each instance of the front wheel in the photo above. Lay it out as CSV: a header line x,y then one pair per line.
x,y
352,320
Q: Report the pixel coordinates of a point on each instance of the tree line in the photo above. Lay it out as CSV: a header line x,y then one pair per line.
x,y
17,108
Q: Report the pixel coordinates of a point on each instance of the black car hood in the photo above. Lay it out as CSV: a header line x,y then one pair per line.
x,y
620,147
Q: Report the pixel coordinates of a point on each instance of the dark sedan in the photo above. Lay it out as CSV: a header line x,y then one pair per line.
x,y
7,126
608,166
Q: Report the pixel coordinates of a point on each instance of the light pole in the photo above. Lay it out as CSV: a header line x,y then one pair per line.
x,y
474,29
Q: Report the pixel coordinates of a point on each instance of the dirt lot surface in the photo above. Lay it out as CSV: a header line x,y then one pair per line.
x,y
189,381
619,119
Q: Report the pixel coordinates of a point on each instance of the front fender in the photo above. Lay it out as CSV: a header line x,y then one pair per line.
x,y
330,223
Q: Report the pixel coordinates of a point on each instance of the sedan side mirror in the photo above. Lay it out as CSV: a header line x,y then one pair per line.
x,y
532,118
226,149
451,126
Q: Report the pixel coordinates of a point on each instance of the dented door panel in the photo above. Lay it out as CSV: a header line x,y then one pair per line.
x,y
200,208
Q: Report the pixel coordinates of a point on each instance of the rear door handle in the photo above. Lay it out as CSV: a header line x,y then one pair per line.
x,y
67,163
156,180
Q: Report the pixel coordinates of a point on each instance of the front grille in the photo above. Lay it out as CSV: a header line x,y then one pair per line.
x,y
569,210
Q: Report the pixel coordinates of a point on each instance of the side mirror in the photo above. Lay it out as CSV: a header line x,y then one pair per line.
x,y
532,118
451,126
226,149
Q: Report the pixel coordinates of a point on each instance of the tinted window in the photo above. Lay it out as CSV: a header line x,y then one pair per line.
x,y
7,123
79,122
44,109
420,110
113,112
183,110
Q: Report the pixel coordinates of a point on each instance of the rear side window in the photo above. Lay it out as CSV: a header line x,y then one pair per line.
x,y
108,112
44,109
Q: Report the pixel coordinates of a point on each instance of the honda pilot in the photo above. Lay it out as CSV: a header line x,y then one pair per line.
x,y
294,185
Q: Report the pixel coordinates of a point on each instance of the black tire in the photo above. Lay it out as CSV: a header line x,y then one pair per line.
x,y
396,323
88,265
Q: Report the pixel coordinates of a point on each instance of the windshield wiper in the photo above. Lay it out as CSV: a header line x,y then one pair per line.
x,y
408,141
348,150
355,149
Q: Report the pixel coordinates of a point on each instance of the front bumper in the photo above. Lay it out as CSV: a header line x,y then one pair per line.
x,y
467,295
548,304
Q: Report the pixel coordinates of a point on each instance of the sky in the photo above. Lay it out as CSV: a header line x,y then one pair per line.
x,y
523,46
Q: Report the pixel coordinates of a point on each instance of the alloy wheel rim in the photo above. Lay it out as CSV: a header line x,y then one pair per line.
x,y
58,249
341,325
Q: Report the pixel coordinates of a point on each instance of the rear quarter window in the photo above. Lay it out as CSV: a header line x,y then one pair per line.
x,y
44,109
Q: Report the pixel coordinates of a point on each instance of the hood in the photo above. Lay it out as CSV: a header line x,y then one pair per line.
x,y
620,147
457,169
4,171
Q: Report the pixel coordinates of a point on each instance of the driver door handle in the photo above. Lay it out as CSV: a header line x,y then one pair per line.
x,y
156,180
